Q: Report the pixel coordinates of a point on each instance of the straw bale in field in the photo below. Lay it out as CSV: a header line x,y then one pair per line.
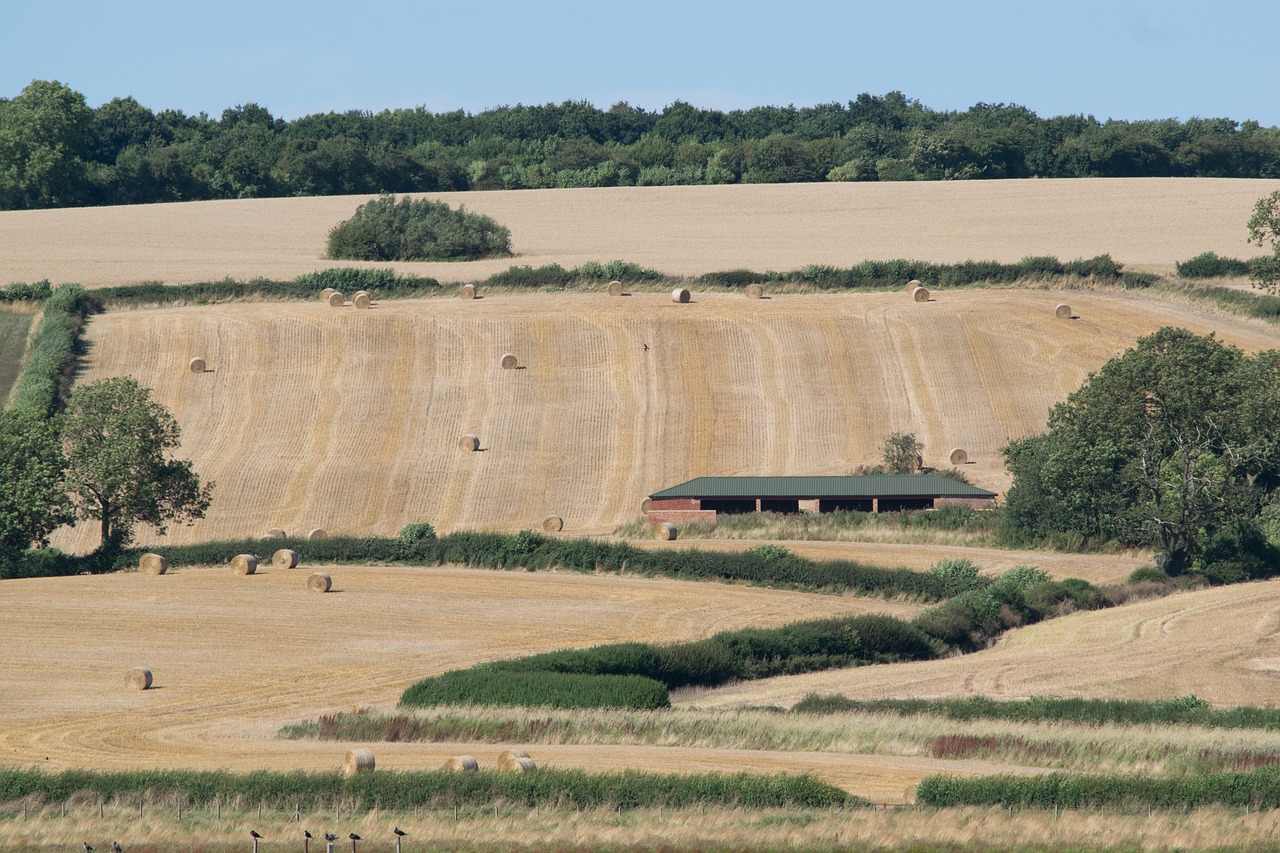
x,y
510,759
520,765
361,300
319,582
285,558
509,362
275,533
615,288
244,564
469,443
754,291
139,678
153,564
920,294
959,456
467,291
1063,311
318,533
680,295
358,761
196,365
461,764
666,531
326,293
553,524
646,504
337,300
913,284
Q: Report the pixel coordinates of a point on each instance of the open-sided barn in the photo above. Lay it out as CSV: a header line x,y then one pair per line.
x,y
702,498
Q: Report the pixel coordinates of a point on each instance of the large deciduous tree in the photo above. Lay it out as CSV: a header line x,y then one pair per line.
x,y
44,139
1264,228
1173,444
33,495
116,438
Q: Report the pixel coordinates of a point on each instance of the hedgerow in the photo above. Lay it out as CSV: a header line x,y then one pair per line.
x,y
745,654
489,686
49,364
379,283
569,789
1182,711
1259,788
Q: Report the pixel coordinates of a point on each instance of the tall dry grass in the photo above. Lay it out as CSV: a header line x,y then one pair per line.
x,y
971,829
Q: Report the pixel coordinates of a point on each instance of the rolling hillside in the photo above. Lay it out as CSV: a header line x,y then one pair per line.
x,y
348,420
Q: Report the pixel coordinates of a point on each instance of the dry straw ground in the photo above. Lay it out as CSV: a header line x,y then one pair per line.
x,y
793,384
1144,223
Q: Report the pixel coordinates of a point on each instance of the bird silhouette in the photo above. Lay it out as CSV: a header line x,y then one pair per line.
x,y
116,848
354,838
400,832
329,836
87,848
306,841
253,833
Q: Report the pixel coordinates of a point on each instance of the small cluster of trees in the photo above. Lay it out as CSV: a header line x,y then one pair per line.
x,y
57,151
417,230
105,459
1174,444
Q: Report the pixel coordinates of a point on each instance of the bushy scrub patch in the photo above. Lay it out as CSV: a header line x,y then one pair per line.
x,y
567,789
1258,788
387,229
495,686
592,272
1181,711
745,654
1211,265
48,367
379,283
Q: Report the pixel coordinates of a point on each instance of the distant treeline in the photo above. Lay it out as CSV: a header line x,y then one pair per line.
x,y
56,151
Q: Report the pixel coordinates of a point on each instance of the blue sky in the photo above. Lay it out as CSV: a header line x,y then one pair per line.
x,y
1124,60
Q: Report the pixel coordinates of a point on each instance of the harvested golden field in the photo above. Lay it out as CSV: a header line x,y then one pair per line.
x,y
1144,223
1221,644
349,420
236,657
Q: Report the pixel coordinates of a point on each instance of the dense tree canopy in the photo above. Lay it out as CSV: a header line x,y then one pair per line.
x,y
116,438
33,496
1174,444
56,151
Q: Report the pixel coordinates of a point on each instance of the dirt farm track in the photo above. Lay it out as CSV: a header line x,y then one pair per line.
x,y
317,417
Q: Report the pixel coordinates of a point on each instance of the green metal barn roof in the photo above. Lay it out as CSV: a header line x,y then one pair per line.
x,y
866,486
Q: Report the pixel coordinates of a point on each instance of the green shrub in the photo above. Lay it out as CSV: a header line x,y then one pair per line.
x,y
957,575
22,292
495,686
1211,265
617,271
51,360
1147,574
417,230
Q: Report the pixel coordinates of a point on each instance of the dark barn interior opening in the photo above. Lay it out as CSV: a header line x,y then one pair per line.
x,y
847,505
730,506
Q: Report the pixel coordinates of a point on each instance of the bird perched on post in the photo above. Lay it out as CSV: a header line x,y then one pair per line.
x,y
329,838
306,841
400,833
253,833
354,838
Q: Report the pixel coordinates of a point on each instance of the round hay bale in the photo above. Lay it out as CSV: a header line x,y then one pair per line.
x,y
469,443
1063,311
520,765
754,291
467,291
139,678
326,293
461,764
285,558
318,533
646,504
959,456
920,294
509,362
244,564
275,533
680,295
913,284
358,761
362,301
337,300
196,365
664,532
615,288
553,524
153,564
509,759
319,582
